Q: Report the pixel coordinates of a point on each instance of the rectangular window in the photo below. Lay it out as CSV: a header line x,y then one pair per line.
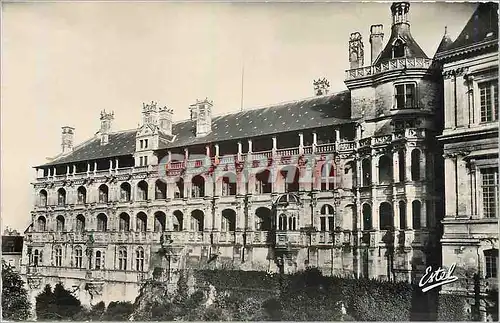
x,y
488,95
489,181
145,160
141,161
405,96
141,144
323,223
491,259
58,257
145,143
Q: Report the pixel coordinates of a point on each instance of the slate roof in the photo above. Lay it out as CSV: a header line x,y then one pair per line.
x,y
483,21
12,244
309,113
412,48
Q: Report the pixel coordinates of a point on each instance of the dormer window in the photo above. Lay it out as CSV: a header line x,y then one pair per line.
x,y
398,49
405,96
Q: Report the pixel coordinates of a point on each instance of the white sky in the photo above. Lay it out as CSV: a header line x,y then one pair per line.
x,y
62,63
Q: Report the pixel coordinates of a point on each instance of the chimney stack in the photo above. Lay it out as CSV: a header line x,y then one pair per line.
x,y
400,13
201,112
67,139
376,40
356,52
150,113
106,121
165,120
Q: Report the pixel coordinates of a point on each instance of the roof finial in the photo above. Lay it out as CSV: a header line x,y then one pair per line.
x,y
446,30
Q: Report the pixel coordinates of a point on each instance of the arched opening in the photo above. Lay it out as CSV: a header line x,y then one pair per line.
x,y
327,176
81,195
416,208
124,222
198,189
61,196
282,223
125,190
142,191
386,216
402,214
398,49
349,178
43,198
366,170
160,190
179,189
80,223
263,219
415,165
401,165
141,222
178,220
36,258
384,170
99,259
42,224
160,222
60,222
103,193
326,219
197,220
367,217
263,183
102,222
229,184
292,223
290,176
228,220
139,259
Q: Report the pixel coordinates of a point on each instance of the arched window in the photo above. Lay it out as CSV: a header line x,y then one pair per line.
x,y
290,176
198,189
401,165
160,222
415,165
124,224
36,258
402,214
228,220
327,176
178,220
229,184
78,257
179,189
61,196
398,49
99,259
384,170
326,219
125,190
491,263
197,220
102,222
160,190
122,259
282,222
349,178
42,224
43,198
139,259
58,256
292,223
60,223
80,223
141,222
82,195
262,183
263,219
366,170
367,217
142,191
103,193
416,207
386,216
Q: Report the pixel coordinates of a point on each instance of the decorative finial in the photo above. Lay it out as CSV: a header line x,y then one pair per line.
x,y
446,30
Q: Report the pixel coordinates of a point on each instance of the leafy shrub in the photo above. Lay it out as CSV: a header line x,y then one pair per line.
x,y
118,311
59,304
15,303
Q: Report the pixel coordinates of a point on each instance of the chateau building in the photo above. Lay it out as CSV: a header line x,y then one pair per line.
x,y
470,141
348,182
12,247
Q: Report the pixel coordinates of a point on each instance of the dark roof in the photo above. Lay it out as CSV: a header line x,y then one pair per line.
x,y
445,42
482,22
12,244
309,113
401,31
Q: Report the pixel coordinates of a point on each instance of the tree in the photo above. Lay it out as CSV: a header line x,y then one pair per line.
x,y
15,303
57,305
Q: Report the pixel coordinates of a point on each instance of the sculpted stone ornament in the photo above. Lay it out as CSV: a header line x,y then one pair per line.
x,y
34,282
94,288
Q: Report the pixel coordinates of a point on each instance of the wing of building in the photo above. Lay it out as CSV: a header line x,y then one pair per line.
x,y
350,182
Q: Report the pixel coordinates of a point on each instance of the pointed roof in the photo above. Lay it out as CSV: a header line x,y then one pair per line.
x,y
482,27
445,42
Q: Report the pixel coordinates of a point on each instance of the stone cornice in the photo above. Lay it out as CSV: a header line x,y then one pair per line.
x,y
450,55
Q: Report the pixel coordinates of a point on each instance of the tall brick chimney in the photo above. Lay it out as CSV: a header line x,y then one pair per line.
x,y
67,139
376,40
356,51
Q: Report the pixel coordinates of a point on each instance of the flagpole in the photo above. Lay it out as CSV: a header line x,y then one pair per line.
x,y
242,79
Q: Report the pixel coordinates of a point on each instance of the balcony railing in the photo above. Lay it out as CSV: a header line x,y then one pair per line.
x,y
393,64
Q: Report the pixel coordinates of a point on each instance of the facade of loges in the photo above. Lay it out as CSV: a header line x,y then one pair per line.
x,y
470,141
349,183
